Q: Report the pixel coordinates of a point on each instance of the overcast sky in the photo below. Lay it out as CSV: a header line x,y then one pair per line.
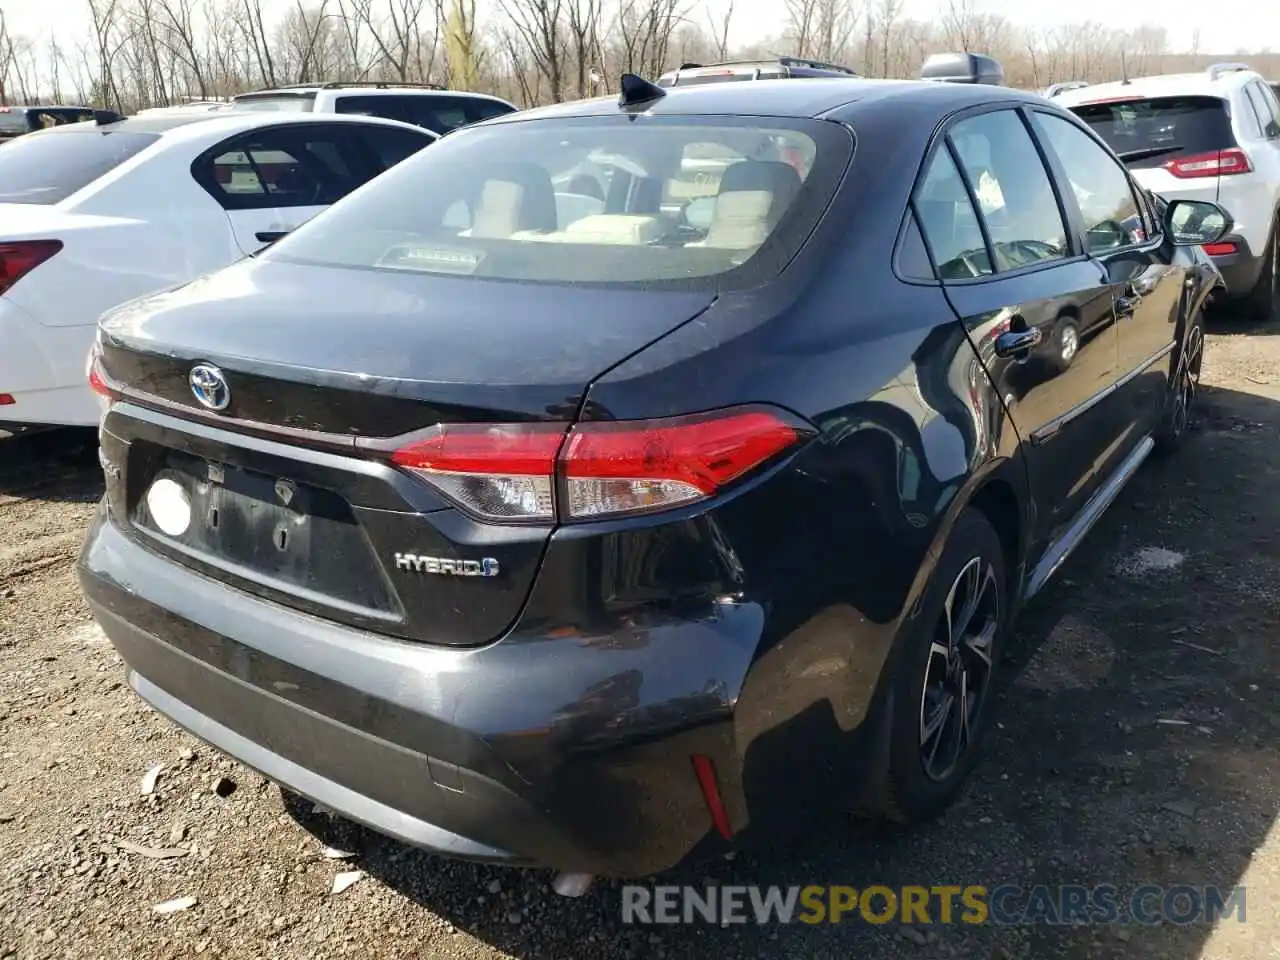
x,y
1224,27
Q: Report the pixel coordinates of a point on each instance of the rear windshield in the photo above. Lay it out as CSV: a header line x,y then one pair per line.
x,y
602,200
280,103
49,167
1156,130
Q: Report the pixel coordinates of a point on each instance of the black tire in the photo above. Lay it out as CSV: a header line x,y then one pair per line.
x,y
1260,303
1184,385
920,781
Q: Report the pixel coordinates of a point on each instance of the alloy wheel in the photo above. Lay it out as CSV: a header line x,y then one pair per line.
x,y
1188,380
1068,343
958,670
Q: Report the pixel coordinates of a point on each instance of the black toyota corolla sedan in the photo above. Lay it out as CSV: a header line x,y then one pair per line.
x,y
617,481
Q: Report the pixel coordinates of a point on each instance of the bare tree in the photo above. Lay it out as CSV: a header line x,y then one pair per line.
x,y
182,39
256,33
583,25
646,28
104,14
800,18
6,59
887,13
960,22
539,24
833,25
407,43
720,31
135,53
304,34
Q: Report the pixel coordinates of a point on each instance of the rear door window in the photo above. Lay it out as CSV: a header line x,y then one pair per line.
x,y
1264,106
281,168
1250,120
949,222
607,200
912,258
48,167
1015,195
1148,132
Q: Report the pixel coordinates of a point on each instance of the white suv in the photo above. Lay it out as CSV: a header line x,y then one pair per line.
x,y
424,105
1213,135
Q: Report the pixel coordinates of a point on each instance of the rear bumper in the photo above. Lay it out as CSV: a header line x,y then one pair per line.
x,y
1240,270
43,369
564,752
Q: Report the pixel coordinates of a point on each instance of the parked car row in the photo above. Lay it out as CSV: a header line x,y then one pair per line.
x,y
95,214
99,209
583,491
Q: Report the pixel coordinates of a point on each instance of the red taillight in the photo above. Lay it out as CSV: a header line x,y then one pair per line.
x,y
93,373
1217,163
503,471
6,400
624,467
1219,249
605,468
20,257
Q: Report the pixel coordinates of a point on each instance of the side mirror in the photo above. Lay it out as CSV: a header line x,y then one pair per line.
x,y
1190,223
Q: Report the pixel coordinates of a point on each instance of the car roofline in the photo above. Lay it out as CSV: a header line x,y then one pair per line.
x,y
1197,84
173,130
360,90
845,93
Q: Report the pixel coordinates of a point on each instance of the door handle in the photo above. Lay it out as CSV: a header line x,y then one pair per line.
x,y
1017,343
270,236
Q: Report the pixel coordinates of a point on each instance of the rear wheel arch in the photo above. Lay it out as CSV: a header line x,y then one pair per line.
x,y
997,500
999,490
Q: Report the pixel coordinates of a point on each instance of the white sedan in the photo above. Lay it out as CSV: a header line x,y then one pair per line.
x,y
93,215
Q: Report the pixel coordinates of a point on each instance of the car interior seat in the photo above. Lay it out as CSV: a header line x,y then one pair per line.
x,y
753,196
514,197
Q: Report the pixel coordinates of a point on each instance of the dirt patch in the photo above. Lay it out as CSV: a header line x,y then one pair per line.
x,y
1135,744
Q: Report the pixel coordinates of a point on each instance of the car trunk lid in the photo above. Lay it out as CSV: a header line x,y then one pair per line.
x,y
291,491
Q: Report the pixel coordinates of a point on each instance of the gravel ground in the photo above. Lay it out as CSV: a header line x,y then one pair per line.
x,y
1167,613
